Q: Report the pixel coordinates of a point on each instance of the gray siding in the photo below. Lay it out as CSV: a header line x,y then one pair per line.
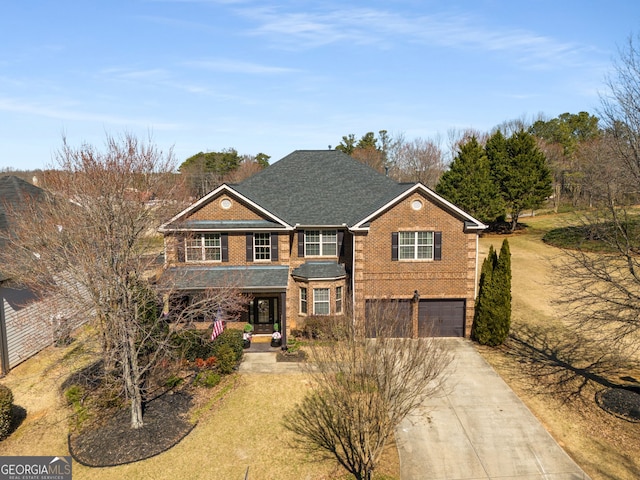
x,y
29,326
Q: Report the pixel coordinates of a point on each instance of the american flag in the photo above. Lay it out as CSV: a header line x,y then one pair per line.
x,y
217,326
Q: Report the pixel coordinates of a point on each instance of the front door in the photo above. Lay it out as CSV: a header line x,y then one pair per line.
x,y
264,315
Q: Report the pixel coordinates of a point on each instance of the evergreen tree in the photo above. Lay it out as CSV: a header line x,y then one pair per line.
x,y
480,330
468,183
492,318
521,172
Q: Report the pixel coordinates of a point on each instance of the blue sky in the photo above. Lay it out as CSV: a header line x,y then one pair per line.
x,y
273,77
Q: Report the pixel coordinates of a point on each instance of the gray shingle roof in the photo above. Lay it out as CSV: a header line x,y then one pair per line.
x,y
265,277
320,187
319,269
14,192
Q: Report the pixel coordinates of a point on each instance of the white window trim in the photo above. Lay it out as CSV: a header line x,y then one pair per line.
x,y
255,248
415,245
304,301
327,301
322,243
202,248
339,299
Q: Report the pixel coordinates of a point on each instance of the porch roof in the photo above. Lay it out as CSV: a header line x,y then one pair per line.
x,y
317,270
259,278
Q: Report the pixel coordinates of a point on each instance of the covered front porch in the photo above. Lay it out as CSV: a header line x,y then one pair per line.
x,y
264,287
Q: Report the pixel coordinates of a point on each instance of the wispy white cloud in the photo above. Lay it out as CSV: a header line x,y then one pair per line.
x,y
153,74
365,26
236,66
67,113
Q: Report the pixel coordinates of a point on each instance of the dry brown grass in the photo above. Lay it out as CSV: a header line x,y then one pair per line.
x,y
606,447
239,427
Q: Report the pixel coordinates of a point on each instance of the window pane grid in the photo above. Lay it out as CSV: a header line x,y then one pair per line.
x,y
303,300
321,243
415,245
262,246
203,248
321,301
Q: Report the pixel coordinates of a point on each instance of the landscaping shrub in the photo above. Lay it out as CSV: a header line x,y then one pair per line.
x,y
208,379
192,344
323,327
75,395
173,381
231,338
227,359
6,407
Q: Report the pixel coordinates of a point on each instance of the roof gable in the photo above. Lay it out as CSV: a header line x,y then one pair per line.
x,y
192,218
470,223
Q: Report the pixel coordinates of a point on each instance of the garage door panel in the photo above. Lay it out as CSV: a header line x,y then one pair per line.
x,y
441,318
391,318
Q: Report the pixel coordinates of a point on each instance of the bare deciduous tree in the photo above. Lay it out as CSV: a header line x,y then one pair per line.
x,y
364,387
419,161
604,286
90,242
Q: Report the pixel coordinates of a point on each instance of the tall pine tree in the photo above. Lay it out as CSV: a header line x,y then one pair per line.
x,y
521,172
468,183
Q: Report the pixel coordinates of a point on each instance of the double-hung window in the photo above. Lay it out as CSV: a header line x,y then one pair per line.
x,y
320,243
321,301
338,299
415,245
303,300
205,247
262,246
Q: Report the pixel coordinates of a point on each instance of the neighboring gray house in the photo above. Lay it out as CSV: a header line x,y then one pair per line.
x,y
27,324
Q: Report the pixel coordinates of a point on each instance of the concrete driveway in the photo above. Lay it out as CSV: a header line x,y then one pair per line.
x,y
478,429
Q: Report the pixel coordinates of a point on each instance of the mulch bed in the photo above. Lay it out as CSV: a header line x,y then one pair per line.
x,y
621,402
116,443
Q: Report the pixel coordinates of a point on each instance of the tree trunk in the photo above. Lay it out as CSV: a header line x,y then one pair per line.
x,y
514,221
131,374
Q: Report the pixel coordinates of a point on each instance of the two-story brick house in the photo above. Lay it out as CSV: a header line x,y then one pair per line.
x,y
318,229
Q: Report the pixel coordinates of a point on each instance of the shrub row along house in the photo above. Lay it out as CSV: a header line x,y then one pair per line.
x,y
318,231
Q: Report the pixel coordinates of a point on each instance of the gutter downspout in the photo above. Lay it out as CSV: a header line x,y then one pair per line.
x,y
353,276
4,344
475,284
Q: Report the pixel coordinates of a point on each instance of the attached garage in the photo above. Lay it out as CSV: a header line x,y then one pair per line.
x,y
390,318
441,318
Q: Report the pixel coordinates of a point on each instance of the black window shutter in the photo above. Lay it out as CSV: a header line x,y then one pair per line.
x,y
300,243
340,241
249,247
394,246
274,247
224,244
437,245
